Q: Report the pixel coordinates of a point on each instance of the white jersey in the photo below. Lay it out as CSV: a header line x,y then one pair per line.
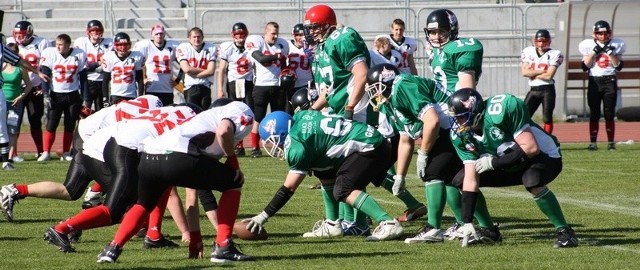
x,y
551,57
602,65
130,133
199,132
237,61
64,71
158,63
125,109
32,53
300,64
123,73
94,53
197,59
394,58
405,47
268,75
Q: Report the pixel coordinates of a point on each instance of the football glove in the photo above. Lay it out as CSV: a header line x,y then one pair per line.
x,y
348,113
483,164
609,49
398,185
596,49
255,224
468,232
421,164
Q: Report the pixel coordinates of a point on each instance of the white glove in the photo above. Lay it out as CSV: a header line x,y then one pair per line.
x,y
468,232
256,223
398,185
421,163
483,164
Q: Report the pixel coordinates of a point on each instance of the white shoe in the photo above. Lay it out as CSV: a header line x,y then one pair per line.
x,y
7,166
44,157
92,199
66,157
387,230
454,232
8,198
18,159
426,234
325,228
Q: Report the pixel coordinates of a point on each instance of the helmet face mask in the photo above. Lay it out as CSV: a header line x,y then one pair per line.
x,y
442,27
542,40
273,130
23,32
122,43
239,33
466,111
318,21
379,85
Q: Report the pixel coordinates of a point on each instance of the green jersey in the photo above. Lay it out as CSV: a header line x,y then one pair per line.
x,y
410,98
320,141
457,55
332,66
505,117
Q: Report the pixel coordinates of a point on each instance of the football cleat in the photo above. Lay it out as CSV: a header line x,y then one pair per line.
x,y
160,243
386,230
256,152
325,228
566,238
44,157
66,156
426,234
9,195
592,147
59,240
7,166
92,199
409,215
487,236
239,151
355,230
611,146
454,232
74,236
230,253
110,254
142,233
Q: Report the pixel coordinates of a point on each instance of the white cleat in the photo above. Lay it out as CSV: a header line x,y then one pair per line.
x,y
44,157
387,230
325,228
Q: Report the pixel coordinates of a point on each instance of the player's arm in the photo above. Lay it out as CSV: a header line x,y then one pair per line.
x,y
28,86
222,74
188,69
106,83
84,86
412,64
263,59
431,126
321,102
359,72
209,71
547,74
405,153
46,86
466,79
528,72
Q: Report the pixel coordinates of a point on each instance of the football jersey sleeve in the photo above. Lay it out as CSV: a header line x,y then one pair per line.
x,y
351,47
254,43
556,58
296,157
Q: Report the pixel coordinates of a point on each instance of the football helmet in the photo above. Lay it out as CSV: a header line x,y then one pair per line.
x,y
94,30
122,42
544,37
602,27
298,29
466,110
220,102
441,21
273,131
196,109
288,79
318,20
380,83
239,29
149,101
23,32
300,100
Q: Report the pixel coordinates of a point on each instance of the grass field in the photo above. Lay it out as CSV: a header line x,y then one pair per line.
x,y
598,191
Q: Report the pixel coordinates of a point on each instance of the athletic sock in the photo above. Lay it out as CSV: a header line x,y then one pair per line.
x,y
610,127
593,131
154,229
367,204
436,196
482,213
331,206
131,224
454,200
49,138
94,217
548,204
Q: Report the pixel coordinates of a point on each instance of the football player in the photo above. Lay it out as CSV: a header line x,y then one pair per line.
x,y
77,178
198,62
345,155
116,148
417,108
406,46
500,145
30,47
122,70
456,61
602,58
299,61
382,52
539,65
234,65
193,149
268,57
95,46
69,74
159,54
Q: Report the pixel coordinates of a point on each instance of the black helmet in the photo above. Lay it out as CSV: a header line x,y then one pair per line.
x,y
95,25
300,100
23,32
466,110
380,82
442,19
122,42
544,36
196,109
601,26
220,102
288,79
298,29
239,28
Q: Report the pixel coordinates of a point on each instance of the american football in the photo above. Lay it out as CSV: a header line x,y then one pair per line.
x,y
240,229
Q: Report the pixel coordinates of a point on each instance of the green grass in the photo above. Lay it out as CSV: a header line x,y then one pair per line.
x,y
598,192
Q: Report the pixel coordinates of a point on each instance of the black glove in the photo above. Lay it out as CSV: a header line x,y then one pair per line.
x,y
597,49
105,102
608,49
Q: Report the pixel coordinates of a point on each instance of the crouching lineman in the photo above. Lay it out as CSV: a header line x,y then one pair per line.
x,y
192,149
501,146
351,155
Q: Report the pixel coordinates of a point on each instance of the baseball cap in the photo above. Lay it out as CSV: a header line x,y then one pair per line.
x,y
157,29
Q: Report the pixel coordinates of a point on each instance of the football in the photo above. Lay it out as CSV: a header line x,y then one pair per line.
x,y
240,229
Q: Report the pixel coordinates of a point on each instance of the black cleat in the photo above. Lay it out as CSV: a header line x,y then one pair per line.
x,y
566,238
58,239
592,147
142,233
256,152
110,254
229,253
74,236
487,236
160,243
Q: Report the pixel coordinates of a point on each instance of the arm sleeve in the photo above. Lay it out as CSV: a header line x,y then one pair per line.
x,y
84,85
46,86
263,59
